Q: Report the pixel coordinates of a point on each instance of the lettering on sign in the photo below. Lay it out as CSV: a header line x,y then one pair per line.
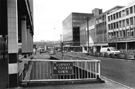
x,y
62,68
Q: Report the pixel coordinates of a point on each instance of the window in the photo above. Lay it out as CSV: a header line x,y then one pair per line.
x,y
120,33
124,33
134,8
132,31
116,15
127,22
120,24
108,18
131,10
123,23
131,21
111,17
117,34
109,27
127,11
128,32
120,14
117,25
134,20
123,13
114,25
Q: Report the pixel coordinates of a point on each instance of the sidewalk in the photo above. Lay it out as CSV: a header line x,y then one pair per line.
x,y
109,84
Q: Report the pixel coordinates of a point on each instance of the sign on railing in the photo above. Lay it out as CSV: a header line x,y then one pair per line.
x,y
62,68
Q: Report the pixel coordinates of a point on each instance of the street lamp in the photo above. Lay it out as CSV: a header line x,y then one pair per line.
x,y
61,47
88,34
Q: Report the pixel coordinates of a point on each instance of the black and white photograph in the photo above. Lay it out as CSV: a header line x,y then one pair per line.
x,y
67,44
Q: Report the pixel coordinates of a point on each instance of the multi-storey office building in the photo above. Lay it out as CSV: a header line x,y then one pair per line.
x,y
121,28
71,28
101,28
16,38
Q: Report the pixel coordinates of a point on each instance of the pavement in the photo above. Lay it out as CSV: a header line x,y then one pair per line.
x,y
109,84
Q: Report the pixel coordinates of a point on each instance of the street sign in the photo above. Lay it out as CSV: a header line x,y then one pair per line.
x,y
62,68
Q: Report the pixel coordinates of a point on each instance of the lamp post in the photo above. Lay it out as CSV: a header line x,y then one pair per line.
x,y
88,34
61,47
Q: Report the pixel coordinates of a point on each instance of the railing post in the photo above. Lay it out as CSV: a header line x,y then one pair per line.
x,y
98,69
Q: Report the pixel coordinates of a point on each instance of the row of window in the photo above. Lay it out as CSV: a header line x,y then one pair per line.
x,y
122,33
122,13
122,23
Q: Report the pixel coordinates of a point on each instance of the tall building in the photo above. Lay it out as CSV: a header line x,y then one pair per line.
x,y
121,28
16,38
71,28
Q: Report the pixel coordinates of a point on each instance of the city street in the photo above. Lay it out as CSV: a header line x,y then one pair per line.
x,y
107,85
119,70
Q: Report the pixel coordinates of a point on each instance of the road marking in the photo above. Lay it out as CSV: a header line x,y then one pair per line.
x,y
104,78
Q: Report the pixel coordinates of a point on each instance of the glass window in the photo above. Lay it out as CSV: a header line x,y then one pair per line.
x,y
131,10
128,32
131,21
127,11
108,18
123,13
132,32
114,25
111,17
119,23
124,33
123,23
116,15
127,22
120,14
111,26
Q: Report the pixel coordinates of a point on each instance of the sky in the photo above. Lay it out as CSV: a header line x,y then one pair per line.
x,y
49,14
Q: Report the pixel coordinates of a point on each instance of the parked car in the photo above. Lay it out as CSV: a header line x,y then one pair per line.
x,y
109,50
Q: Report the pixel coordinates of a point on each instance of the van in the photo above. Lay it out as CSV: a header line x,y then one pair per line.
x,y
109,50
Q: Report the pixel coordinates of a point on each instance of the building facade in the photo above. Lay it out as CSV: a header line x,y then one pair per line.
x,y
121,28
71,28
16,38
101,28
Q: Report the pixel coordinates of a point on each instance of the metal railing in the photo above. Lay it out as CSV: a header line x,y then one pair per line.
x,y
61,70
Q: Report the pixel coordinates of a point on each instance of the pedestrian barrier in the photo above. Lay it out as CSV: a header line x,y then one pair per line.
x,y
61,70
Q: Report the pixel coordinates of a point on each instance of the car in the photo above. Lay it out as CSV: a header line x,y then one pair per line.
x,y
109,50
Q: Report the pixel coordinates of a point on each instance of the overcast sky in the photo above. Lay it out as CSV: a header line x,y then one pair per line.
x,y
49,14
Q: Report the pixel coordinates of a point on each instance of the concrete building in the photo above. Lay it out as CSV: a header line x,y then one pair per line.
x,y
121,28
16,38
101,28
97,26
